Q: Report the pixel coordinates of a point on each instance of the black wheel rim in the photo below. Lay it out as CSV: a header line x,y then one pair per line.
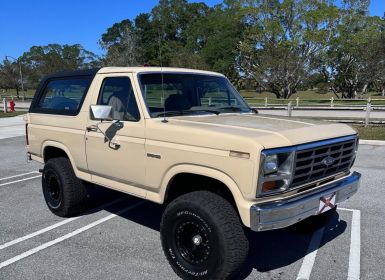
x,y
193,242
53,190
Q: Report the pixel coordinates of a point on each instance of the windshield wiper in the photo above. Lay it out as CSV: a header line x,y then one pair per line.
x,y
169,113
185,112
204,110
232,108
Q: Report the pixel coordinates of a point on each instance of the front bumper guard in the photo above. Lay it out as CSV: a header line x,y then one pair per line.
x,y
283,213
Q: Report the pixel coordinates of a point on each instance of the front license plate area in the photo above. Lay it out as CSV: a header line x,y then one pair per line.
x,y
327,202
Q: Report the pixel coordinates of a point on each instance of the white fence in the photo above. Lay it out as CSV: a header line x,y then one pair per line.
x,y
330,103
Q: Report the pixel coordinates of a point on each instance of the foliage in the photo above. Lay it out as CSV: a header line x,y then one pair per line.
x,y
356,56
42,60
121,43
280,46
284,40
9,76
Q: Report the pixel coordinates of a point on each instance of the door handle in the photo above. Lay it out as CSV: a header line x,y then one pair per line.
x,y
91,128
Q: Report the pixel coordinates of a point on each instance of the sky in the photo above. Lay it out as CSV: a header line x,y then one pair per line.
x,y
25,23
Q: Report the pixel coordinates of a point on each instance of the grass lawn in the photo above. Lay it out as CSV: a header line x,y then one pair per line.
x,y
371,132
9,93
11,114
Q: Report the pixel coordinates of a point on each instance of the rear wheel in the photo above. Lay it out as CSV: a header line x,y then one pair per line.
x,y
202,237
64,193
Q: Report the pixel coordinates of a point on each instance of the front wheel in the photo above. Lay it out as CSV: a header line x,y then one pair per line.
x,y
202,237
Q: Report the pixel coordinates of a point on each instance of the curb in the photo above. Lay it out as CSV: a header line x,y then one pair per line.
x,y
372,142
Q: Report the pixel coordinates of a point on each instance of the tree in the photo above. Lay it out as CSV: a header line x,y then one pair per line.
x,y
170,22
157,38
215,36
283,41
42,60
121,45
351,58
378,80
10,76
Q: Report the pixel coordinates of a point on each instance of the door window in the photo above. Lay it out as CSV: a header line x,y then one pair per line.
x,y
118,93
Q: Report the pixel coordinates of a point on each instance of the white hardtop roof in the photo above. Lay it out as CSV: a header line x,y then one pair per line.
x,y
144,69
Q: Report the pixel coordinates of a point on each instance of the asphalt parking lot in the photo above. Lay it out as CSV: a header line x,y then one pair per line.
x,y
118,238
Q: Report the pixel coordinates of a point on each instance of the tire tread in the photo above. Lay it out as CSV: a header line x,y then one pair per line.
x,y
227,220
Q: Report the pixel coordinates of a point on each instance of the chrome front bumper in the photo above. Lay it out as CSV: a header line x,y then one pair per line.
x,y
283,213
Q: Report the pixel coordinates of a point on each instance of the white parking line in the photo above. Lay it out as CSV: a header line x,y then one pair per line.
x,y
19,175
308,261
36,233
355,245
354,254
67,236
21,180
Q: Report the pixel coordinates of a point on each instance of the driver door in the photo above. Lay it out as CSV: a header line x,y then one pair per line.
x,y
116,157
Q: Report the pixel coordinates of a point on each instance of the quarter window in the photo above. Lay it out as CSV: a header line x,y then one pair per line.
x,y
63,96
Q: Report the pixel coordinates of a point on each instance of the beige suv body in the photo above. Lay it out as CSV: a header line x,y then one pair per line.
x,y
158,158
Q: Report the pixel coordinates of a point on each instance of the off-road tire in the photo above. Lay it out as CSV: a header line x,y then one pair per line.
x,y
64,193
207,217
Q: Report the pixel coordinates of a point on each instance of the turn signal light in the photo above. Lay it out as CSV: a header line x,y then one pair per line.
x,y
269,186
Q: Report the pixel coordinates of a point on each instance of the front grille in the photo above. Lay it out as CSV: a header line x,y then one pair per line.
x,y
310,163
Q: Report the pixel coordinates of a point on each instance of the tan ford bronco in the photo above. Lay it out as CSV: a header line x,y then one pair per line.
x,y
186,138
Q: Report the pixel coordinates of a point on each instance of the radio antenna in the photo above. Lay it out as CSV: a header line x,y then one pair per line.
x,y
161,76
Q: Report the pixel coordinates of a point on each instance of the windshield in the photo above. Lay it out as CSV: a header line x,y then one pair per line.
x,y
182,94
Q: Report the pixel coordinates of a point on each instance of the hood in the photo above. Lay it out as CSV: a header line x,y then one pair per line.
x,y
267,131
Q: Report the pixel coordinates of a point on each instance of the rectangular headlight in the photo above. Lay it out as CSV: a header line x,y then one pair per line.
x,y
270,164
276,172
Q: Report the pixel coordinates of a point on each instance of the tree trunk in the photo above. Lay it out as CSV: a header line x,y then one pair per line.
x,y
364,89
383,92
17,92
287,91
277,93
335,92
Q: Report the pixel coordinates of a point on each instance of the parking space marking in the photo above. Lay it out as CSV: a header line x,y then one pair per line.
x,y
41,231
309,259
355,245
19,175
21,180
67,236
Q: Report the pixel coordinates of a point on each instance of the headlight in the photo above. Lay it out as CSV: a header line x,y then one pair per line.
x,y
276,172
270,164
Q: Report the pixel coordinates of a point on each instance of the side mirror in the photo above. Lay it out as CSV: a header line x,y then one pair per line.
x,y
101,112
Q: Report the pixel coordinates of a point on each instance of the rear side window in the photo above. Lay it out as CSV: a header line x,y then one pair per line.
x,y
62,96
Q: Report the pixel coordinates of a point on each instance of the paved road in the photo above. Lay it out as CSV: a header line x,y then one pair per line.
x,y
12,127
107,243
325,113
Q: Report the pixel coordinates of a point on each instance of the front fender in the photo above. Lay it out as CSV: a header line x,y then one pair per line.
x,y
243,206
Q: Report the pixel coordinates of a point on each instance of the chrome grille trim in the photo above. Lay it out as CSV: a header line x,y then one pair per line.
x,y
315,152
310,166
